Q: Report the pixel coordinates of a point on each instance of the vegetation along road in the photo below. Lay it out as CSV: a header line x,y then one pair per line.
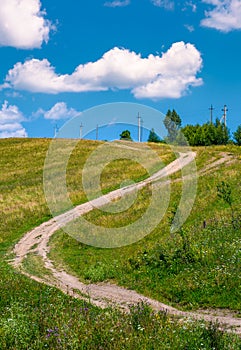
x,y
105,294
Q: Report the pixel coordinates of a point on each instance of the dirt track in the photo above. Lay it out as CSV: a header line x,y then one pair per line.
x,y
104,294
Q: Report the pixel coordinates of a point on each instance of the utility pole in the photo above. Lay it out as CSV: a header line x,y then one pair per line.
x,y
225,115
211,114
97,132
81,131
139,127
56,130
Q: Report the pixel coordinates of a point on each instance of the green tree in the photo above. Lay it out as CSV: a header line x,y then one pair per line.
x,y
153,137
206,134
181,139
172,123
222,136
237,136
192,134
125,135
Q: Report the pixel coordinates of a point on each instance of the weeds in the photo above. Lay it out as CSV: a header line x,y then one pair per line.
x,y
198,266
224,192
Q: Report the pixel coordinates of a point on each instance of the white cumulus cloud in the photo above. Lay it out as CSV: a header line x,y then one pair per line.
x,y
117,3
226,15
22,24
59,111
154,77
10,121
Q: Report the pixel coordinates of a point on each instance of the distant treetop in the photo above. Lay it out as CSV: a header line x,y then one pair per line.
x,y
153,137
125,135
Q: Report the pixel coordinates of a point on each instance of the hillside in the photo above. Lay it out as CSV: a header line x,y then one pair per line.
x,y
197,267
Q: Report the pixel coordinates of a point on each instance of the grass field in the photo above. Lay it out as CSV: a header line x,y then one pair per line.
x,y
196,268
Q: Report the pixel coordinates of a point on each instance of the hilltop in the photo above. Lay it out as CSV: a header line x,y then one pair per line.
x,y
197,267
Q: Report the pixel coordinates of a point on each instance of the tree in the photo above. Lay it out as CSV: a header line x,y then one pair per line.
x,y
172,123
192,134
181,139
153,137
206,134
125,135
237,136
222,133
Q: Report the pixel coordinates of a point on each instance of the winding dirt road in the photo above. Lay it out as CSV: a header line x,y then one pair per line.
x,y
104,294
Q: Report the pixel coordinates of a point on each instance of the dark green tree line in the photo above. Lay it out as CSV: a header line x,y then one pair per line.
x,y
153,137
207,134
237,136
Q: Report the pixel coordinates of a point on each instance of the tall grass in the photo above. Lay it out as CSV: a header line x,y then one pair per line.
x,y
197,267
34,316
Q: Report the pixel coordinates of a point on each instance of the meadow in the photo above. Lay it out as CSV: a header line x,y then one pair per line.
x,y
196,268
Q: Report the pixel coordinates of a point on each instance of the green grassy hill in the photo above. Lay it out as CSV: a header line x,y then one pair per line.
x,y
196,268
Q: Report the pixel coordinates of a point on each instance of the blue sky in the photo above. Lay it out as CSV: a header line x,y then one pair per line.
x,y
59,58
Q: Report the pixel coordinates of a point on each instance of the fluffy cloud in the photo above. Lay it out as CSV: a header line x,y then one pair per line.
x,y
10,122
22,24
166,4
154,77
226,15
59,111
117,3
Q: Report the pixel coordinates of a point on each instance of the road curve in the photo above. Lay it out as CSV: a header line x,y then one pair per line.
x,y
103,294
